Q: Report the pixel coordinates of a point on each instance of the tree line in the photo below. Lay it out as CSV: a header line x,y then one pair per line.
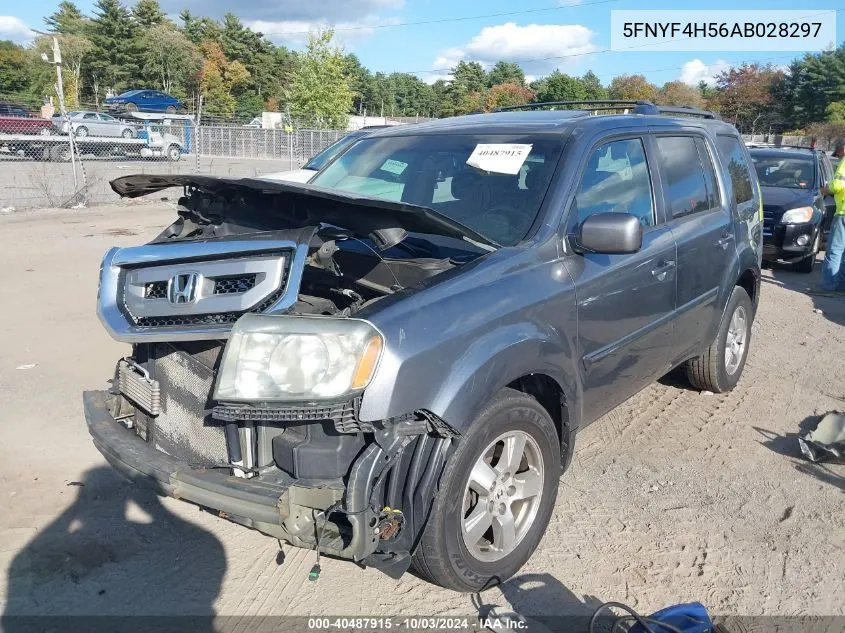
x,y
239,73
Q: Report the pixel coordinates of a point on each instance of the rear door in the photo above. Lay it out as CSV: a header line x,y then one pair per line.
x,y
701,220
625,302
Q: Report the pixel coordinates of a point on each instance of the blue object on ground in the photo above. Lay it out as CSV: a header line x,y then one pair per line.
x,y
691,617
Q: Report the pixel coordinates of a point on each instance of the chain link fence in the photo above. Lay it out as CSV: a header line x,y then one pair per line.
x,y
50,160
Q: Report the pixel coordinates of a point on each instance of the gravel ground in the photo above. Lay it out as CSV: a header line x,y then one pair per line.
x,y
675,496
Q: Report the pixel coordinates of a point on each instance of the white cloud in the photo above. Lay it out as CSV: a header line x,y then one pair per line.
x,y
696,71
330,11
14,28
295,32
538,47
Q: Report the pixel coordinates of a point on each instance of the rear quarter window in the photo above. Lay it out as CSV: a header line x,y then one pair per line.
x,y
731,153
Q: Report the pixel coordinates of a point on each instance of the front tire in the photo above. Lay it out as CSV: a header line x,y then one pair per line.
x,y
81,132
496,497
131,107
719,368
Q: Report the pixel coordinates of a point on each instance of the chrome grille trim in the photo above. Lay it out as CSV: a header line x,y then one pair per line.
x,y
119,322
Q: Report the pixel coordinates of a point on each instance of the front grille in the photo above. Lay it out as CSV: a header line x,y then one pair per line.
x,y
234,285
224,318
343,415
156,290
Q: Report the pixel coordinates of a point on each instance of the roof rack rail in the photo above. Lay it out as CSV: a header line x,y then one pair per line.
x,y
773,146
604,104
637,107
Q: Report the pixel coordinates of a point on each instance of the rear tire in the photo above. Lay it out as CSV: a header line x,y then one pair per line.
x,y
128,133
448,553
171,110
60,153
719,368
808,264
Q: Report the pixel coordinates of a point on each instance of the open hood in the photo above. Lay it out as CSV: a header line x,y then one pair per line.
x,y
252,200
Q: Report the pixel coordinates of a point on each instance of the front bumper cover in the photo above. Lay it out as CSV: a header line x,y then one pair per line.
x,y
256,503
779,241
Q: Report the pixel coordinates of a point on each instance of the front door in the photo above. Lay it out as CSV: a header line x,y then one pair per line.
x,y
701,221
625,302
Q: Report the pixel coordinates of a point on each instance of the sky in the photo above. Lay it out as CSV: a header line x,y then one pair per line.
x,y
427,37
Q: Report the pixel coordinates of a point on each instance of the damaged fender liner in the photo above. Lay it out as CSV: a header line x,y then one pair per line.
x,y
140,462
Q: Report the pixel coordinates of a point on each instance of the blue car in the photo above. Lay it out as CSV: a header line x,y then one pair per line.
x,y
143,101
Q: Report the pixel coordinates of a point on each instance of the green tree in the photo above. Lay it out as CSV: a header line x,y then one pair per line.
x,y
560,87
67,19
593,87
320,93
835,112
14,68
171,60
114,60
75,51
199,29
505,73
632,88
148,13
469,77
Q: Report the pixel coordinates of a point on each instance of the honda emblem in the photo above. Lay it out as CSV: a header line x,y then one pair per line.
x,y
182,288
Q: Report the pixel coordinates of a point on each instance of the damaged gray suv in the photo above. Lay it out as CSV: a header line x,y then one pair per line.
x,y
391,364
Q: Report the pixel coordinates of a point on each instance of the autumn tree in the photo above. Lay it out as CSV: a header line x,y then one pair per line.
x,y
218,78
508,94
677,93
632,88
320,93
744,95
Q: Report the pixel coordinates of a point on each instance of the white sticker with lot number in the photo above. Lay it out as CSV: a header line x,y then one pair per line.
x,y
499,158
393,166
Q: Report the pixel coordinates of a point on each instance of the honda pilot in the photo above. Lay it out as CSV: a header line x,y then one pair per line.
x,y
392,363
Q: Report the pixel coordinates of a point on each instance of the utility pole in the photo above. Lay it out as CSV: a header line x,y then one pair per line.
x,y
60,90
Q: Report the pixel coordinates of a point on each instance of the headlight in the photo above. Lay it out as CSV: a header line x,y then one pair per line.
x,y
289,358
797,216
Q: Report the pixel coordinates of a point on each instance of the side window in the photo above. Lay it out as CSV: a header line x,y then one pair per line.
x,y
686,182
90,116
616,180
731,153
710,182
827,169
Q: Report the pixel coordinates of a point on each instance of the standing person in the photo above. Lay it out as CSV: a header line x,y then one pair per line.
x,y
833,272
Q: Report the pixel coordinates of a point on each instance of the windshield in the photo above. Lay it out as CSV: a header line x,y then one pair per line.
x,y
320,160
790,173
500,200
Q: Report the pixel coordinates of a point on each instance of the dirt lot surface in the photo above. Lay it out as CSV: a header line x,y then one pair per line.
x,y
675,496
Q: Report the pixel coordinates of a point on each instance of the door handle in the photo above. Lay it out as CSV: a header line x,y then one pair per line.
x,y
662,269
727,238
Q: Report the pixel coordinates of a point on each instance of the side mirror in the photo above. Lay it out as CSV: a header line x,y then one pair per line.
x,y
610,233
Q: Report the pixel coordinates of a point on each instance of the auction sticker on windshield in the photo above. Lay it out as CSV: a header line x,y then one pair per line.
x,y
499,158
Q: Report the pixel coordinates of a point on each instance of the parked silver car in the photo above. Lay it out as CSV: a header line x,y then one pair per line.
x,y
93,124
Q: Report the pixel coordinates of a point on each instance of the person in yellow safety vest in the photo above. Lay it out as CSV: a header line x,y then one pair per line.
x,y
833,272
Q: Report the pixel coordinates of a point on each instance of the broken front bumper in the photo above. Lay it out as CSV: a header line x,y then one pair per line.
x,y
374,519
257,504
